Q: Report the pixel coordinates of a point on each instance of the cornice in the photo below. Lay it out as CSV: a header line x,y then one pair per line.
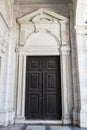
x,y
41,12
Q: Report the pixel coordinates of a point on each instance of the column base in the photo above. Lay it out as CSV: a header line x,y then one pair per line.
x,y
19,119
67,120
6,117
83,119
75,117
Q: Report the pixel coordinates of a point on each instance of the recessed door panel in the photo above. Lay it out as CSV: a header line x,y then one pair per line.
x,y
51,80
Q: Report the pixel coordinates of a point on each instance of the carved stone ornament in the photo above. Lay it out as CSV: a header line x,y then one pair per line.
x,y
42,18
65,49
17,48
42,22
42,15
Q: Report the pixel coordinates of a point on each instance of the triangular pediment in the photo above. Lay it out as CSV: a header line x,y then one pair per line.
x,y
42,14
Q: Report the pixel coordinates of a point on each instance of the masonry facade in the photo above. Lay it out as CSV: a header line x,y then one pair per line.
x,y
41,32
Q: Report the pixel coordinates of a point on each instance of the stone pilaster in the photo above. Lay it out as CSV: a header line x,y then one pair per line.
x,y
66,84
82,74
20,88
65,35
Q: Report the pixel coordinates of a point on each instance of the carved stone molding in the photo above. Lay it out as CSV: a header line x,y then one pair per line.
x,y
82,30
5,38
17,48
42,11
4,22
3,45
43,18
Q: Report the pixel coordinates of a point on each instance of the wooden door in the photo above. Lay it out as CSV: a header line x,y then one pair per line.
x,y
43,88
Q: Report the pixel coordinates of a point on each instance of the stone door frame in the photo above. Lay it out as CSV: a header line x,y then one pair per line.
x,y
63,49
65,87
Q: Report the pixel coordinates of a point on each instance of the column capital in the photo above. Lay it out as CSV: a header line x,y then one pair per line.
x,y
65,49
64,22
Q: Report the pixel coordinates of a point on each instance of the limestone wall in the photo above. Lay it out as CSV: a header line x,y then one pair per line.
x,y
9,37
7,63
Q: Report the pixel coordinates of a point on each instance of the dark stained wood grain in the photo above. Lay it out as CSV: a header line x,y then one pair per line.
x,y
43,88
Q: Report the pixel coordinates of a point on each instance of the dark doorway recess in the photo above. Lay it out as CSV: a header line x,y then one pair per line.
x,y
43,88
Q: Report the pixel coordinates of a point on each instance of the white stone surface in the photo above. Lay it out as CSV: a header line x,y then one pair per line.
x,y
60,36
7,54
48,37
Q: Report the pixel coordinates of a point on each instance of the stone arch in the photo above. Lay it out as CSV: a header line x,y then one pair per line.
x,y
36,34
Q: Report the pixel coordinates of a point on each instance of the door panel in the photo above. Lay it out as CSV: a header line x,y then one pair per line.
x,y
50,63
43,88
34,63
35,80
33,105
52,88
51,80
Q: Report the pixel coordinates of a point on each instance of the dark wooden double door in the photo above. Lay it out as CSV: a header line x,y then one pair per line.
x,y
43,88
